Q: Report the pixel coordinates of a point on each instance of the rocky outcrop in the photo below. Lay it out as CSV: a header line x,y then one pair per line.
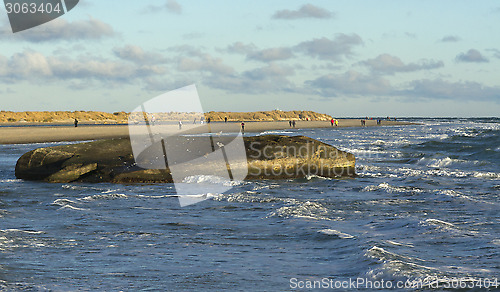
x,y
268,157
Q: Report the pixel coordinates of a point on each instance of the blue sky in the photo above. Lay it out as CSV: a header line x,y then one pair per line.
x,y
344,58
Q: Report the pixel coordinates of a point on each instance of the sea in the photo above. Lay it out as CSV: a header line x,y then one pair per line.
x,y
422,214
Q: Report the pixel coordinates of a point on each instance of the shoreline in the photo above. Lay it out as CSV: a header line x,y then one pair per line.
x,y
44,133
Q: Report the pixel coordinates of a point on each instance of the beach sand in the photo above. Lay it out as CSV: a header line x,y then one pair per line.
x,y
40,134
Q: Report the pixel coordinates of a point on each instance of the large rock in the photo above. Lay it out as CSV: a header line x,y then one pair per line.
x,y
268,157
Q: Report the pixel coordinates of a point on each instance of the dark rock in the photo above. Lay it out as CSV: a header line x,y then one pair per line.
x,y
268,157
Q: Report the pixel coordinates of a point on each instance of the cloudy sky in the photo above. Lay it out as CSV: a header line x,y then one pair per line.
x,y
345,58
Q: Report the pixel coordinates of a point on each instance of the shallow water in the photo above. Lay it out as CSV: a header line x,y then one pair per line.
x,y
425,206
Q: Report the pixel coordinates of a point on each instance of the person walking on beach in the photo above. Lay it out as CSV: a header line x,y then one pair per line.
x,y
225,119
332,122
293,124
243,127
76,123
208,121
180,125
194,121
290,123
336,123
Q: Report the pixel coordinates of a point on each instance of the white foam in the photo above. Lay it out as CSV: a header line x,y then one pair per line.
x,y
439,222
62,202
247,197
439,163
72,208
492,175
274,133
399,243
313,176
436,136
66,204
456,194
155,197
382,254
23,231
209,179
104,197
300,209
337,233
449,173
391,189
10,180
74,187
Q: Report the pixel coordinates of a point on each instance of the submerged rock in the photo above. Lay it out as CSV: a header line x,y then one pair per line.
x,y
268,157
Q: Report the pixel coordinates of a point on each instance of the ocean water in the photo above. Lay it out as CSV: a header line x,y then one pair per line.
x,y
425,208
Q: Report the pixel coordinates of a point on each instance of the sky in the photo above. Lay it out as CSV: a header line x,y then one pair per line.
x,y
343,58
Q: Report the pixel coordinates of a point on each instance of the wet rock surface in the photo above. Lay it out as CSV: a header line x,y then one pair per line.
x,y
268,157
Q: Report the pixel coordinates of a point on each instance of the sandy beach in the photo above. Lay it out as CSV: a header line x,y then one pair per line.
x,y
19,134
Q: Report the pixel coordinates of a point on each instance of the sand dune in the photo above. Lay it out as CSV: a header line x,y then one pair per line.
x,y
92,117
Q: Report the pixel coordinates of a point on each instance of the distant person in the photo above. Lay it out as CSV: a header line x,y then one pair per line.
x,y
76,123
293,124
153,120
336,123
225,119
378,122
332,122
290,123
242,127
194,121
180,125
208,121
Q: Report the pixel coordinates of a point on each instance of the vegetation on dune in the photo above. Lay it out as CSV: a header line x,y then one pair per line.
x,y
122,117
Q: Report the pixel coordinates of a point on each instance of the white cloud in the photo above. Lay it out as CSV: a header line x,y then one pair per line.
x,y
450,39
271,78
350,83
61,29
241,48
331,49
387,64
34,66
441,89
305,11
137,55
471,56
272,54
173,6
204,62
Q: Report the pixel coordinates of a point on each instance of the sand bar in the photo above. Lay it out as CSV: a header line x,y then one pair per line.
x,y
41,134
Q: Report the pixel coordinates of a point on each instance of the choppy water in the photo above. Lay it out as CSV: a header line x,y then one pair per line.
x,y
425,206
